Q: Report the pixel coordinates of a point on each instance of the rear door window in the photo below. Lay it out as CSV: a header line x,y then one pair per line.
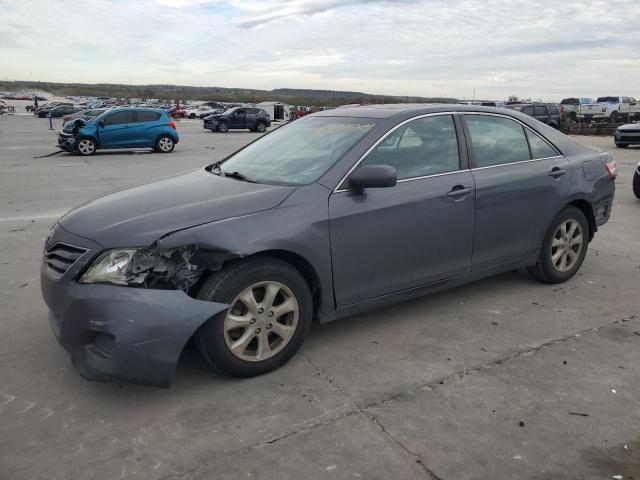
x,y
539,111
426,146
497,140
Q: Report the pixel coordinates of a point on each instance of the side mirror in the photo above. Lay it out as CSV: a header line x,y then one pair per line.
x,y
373,176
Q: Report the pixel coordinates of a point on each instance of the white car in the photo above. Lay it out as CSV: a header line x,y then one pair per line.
x,y
197,112
613,109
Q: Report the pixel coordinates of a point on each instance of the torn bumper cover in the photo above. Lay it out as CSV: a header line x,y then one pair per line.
x,y
122,333
116,333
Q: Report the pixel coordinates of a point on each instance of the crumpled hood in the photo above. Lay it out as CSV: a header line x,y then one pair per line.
x,y
140,215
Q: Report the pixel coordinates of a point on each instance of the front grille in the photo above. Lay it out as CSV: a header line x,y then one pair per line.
x,y
103,345
59,258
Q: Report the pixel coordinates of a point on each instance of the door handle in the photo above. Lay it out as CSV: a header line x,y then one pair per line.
x,y
557,172
459,190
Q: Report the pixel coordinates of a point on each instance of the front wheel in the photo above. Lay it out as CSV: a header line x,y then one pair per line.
x,y
223,127
636,185
614,117
261,127
564,247
192,116
269,315
86,146
165,144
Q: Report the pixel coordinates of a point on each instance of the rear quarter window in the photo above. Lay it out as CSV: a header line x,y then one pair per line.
x,y
147,116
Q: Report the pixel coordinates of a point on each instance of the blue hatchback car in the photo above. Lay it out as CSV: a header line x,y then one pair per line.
x,y
121,128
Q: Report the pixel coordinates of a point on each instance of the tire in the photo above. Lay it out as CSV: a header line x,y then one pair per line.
x,y
636,184
546,269
261,127
86,146
614,117
223,127
214,338
192,116
622,145
165,144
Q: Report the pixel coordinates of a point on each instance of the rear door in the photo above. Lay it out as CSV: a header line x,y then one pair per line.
x,y
521,182
116,129
250,118
385,240
144,130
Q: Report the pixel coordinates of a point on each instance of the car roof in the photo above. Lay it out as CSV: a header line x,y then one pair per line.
x,y
401,109
137,109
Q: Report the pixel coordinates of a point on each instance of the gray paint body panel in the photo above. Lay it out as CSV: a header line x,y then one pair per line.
x,y
364,249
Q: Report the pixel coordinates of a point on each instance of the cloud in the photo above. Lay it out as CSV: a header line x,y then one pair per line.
x,y
539,48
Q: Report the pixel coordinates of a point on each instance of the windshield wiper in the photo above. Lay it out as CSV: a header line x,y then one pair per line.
x,y
216,170
238,176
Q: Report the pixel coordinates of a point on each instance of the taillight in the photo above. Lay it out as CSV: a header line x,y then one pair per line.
x,y
172,124
612,169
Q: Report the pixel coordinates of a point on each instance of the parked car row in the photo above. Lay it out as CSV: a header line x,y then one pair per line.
x,y
613,109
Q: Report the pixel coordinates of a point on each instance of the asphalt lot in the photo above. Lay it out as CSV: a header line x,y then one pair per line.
x,y
505,378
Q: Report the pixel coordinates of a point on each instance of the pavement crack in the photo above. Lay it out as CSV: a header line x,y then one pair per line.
x,y
495,363
365,410
324,374
412,455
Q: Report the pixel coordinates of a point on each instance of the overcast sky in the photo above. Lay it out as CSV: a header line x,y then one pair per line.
x,y
542,49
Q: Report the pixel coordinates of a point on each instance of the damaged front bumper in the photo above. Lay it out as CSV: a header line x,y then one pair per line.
x,y
66,141
118,333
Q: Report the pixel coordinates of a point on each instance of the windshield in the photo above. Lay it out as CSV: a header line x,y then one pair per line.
x,y
230,110
608,99
300,152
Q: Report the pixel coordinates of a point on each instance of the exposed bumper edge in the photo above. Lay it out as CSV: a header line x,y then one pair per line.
x,y
124,334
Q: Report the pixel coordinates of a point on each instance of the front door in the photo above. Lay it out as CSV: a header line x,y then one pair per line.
x,y
115,131
390,239
237,119
521,181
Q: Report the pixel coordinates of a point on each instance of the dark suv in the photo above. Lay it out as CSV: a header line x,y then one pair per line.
x,y
255,119
545,112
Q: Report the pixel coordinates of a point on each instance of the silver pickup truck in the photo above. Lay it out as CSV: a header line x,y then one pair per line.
x,y
613,109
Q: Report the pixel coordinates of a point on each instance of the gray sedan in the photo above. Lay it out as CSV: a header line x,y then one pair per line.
x,y
339,212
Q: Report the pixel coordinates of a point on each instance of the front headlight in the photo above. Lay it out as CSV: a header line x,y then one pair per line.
x,y
110,267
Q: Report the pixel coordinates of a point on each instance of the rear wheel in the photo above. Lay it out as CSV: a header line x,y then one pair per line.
x,y
86,146
261,127
223,127
621,145
564,247
270,314
192,116
165,144
614,117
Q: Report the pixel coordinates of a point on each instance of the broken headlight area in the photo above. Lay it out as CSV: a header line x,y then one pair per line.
x,y
167,269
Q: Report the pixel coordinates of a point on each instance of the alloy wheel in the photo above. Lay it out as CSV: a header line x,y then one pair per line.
x,y
566,245
165,144
261,321
261,127
86,147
